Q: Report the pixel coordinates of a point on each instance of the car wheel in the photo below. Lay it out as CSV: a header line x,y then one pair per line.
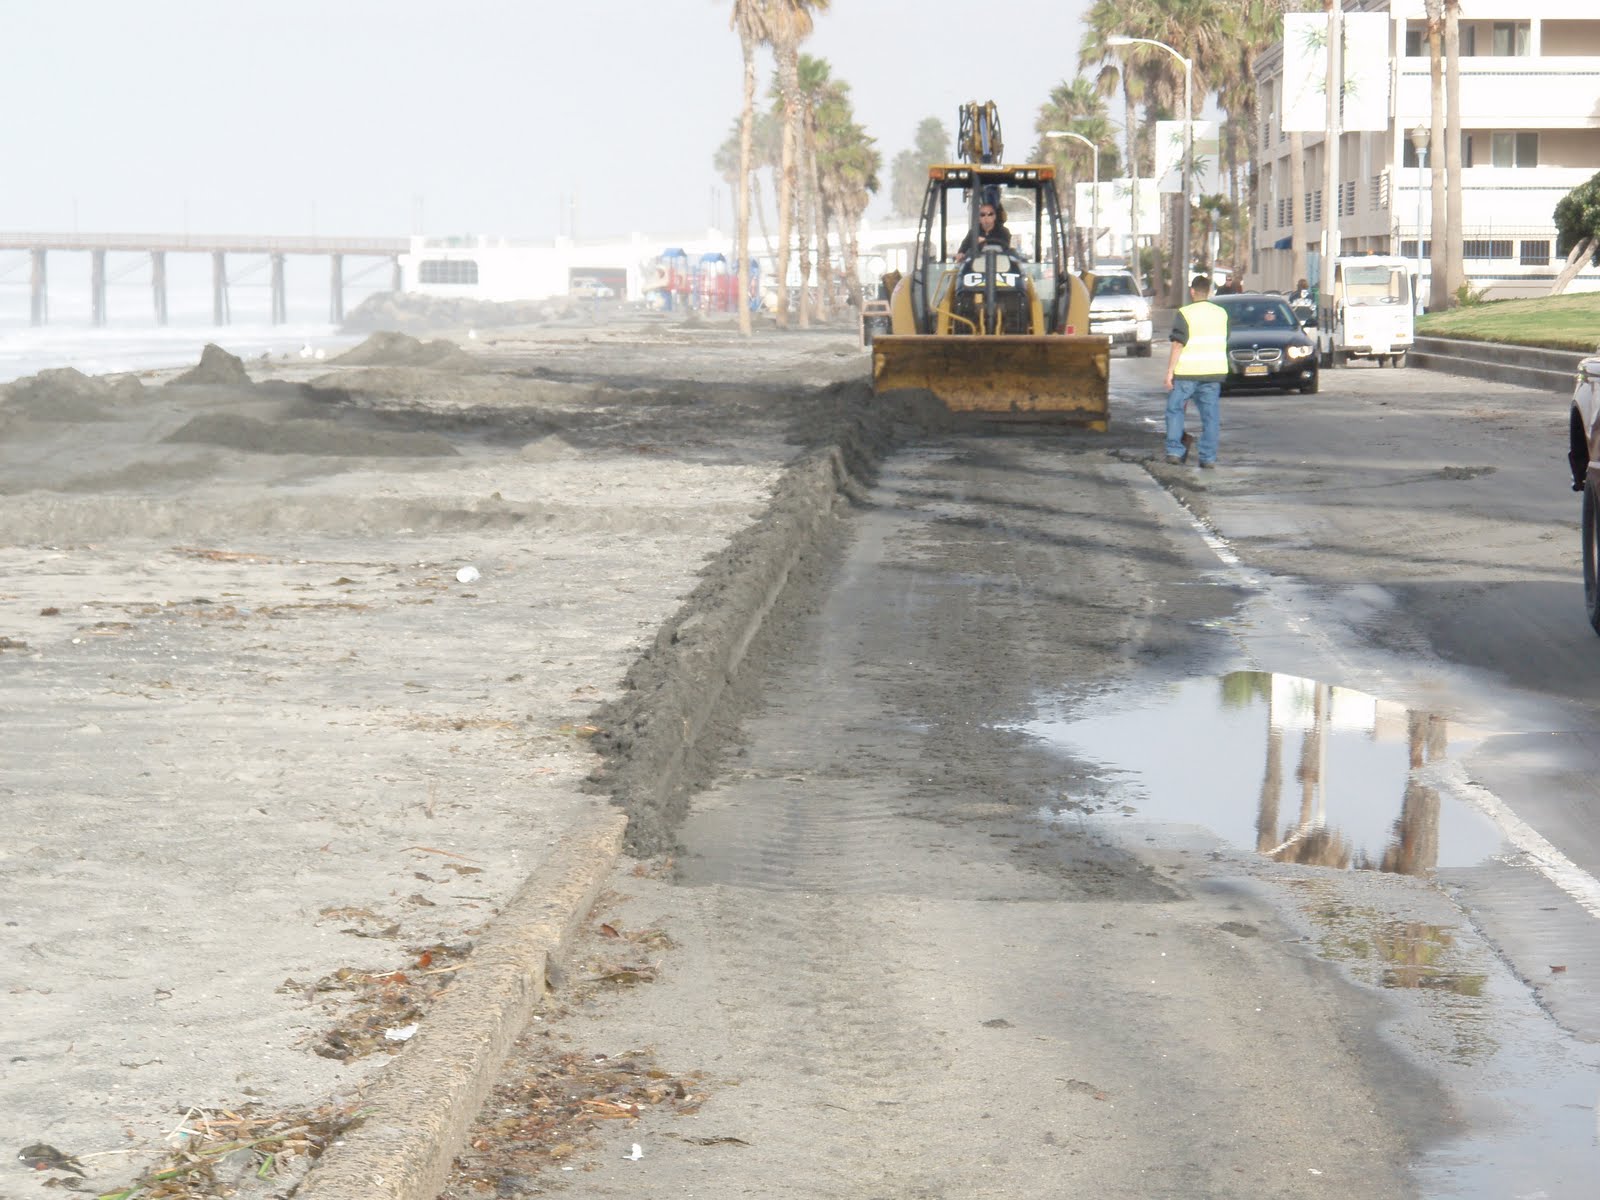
x,y
1141,350
1399,360
1312,386
1591,560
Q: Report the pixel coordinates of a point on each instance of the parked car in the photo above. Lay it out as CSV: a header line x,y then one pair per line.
x,y
1267,348
1117,310
1584,449
587,287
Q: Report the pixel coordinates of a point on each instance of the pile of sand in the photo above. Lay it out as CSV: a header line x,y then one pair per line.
x,y
405,311
389,349
307,436
67,394
216,366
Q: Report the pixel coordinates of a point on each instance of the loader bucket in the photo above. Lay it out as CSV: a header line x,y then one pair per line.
x,y
1053,378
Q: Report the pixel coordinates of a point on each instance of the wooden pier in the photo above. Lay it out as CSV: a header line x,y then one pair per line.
x,y
158,245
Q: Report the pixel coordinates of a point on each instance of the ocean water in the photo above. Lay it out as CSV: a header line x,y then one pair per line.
x,y
106,351
132,341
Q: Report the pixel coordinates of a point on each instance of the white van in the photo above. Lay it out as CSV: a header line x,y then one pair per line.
x,y
1365,311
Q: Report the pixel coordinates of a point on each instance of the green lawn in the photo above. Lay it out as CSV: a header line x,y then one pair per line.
x,y
1557,322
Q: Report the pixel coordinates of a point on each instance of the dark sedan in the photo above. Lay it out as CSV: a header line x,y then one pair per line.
x,y
1266,346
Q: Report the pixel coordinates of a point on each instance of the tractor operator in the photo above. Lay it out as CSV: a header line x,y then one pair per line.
x,y
991,231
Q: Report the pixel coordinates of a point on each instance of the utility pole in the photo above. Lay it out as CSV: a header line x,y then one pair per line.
x,y
1330,157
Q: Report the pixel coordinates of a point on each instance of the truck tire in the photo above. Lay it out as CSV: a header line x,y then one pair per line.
x,y
1591,555
1140,350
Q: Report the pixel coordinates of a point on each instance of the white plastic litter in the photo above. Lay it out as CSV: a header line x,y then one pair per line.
x,y
636,1154
403,1034
468,575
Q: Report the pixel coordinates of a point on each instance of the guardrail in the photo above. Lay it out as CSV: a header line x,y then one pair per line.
x,y
210,243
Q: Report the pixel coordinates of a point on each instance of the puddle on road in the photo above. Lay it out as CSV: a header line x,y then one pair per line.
x,y
1296,770
1392,953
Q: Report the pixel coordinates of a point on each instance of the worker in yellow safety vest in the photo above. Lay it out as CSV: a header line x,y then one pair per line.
x,y
1195,370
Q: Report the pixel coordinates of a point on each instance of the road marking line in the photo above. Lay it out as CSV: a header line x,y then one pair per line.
x,y
1535,849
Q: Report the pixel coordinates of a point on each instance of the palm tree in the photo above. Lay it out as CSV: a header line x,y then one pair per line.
x,y
1104,20
1253,26
764,140
1454,263
789,22
909,173
749,20
1198,29
1077,107
848,172
1439,296
816,89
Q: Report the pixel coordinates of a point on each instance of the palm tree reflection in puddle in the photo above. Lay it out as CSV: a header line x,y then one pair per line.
x,y
1312,708
1218,752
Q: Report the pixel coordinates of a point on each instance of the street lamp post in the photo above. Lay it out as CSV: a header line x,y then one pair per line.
x,y
1188,137
1094,197
1419,143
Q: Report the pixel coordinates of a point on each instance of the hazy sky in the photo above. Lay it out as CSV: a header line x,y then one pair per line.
x,y
377,117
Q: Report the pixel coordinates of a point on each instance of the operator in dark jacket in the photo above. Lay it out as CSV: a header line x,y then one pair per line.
x,y
991,231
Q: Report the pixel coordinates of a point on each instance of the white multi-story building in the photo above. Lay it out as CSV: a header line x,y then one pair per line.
x,y
1530,117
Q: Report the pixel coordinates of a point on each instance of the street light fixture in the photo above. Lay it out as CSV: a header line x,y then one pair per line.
x,y
1419,143
1094,197
1188,137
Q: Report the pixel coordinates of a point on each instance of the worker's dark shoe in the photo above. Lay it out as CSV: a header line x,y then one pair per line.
x,y
1177,460
1207,466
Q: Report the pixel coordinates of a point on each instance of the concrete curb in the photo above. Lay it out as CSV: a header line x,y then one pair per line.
x,y
1524,366
421,1106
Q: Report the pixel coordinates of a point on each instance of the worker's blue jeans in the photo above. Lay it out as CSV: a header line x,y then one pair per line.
x,y
1206,394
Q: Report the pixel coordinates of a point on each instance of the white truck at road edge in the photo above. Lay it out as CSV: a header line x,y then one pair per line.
x,y
1366,311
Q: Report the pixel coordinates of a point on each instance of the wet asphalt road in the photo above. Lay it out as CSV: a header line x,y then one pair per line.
x,y
1111,828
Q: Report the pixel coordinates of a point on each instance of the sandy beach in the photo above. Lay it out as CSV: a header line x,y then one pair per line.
x,y
298,676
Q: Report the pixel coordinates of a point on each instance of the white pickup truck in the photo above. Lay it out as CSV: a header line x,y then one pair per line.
x,y
1117,310
1583,456
1365,311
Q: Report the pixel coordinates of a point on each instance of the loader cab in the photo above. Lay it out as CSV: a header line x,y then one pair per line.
x,y
1019,290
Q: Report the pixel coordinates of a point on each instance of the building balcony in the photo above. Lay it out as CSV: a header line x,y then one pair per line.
x,y
1547,92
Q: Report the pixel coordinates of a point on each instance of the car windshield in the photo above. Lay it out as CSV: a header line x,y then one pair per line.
x,y
1115,285
1376,284
1260,314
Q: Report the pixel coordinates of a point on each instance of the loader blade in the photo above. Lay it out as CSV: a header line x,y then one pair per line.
x,y
1055,378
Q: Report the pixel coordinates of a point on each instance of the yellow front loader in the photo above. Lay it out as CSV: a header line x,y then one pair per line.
x,y
1000,331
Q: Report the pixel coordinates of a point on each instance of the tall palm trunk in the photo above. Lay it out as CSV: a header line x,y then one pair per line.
x,y
795,174
1297,208
1439,296
761,213
1236,194
1453,234
747,122
1132,130
820,220
788,176
850,231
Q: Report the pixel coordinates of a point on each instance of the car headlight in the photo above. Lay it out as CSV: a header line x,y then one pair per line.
x,y
1300,351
